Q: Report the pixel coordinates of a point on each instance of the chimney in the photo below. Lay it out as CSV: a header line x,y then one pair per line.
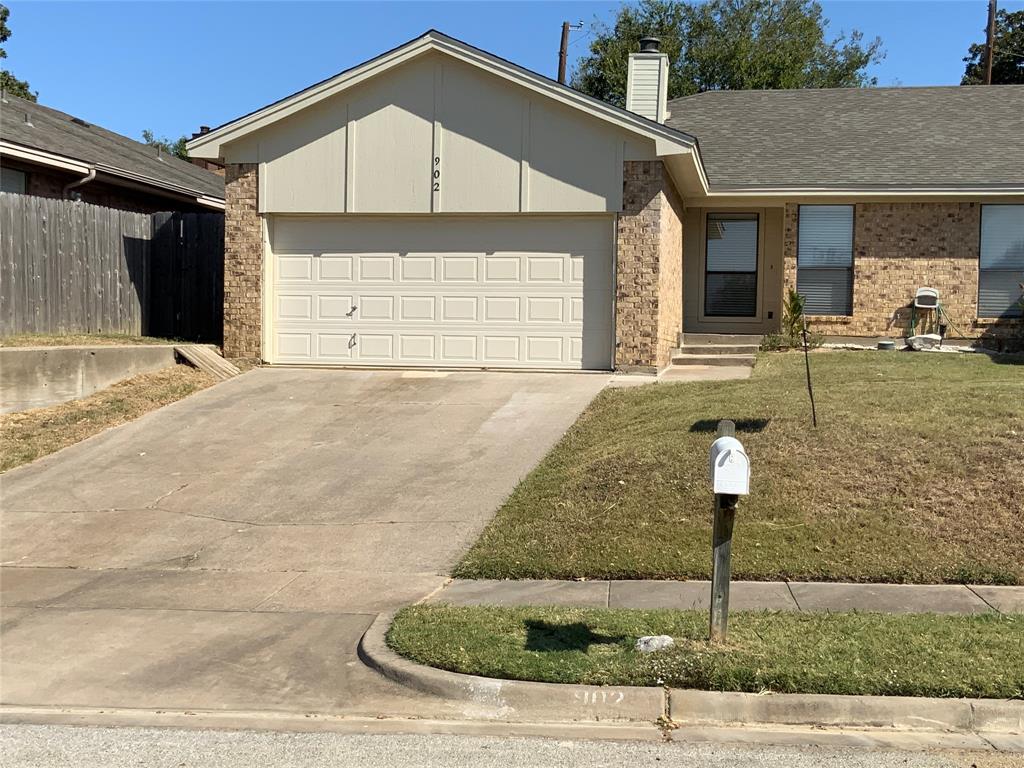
x,y
202,129
647,81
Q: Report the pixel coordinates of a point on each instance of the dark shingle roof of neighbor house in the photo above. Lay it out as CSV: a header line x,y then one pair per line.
x,y
53,131
961,136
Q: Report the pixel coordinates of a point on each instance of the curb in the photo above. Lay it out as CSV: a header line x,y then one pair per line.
x,y
520,701
901,712
511,700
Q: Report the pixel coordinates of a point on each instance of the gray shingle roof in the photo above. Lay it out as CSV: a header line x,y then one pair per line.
x,y
57,132
846,137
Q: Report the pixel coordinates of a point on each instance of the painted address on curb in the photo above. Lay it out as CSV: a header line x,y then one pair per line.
x,y
591,697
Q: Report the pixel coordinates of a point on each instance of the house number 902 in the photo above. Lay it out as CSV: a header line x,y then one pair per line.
x,y
437,174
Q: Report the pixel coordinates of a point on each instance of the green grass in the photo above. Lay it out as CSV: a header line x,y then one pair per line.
x,y
78,340
914,474
840,653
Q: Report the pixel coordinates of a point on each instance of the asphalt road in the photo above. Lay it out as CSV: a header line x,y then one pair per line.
x,y
24,746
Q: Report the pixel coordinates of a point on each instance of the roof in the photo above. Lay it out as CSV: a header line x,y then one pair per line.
x,y
952,136
669,138
56,132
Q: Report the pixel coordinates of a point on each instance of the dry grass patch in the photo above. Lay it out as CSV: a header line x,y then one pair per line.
x,y
913,475
79,340
28,435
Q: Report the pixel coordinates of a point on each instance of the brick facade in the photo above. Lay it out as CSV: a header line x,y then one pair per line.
x,y
897,248
649,269
243,262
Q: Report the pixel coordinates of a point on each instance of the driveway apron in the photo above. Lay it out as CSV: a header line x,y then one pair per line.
x,y
227,551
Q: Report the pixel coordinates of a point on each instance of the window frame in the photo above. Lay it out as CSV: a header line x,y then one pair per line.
x,y
24,180
853,253
1010,315
737,216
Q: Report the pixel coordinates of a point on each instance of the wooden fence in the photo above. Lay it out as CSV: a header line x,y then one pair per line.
x,y
68,267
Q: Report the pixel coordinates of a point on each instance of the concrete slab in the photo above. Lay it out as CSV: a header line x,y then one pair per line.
x,y
171,590
352,592
683,595
533,592
139,538
1003,599
387,547
227,551
180,659
29,587
888,598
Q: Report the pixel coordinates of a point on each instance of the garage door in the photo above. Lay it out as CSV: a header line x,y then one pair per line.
x,y
436,291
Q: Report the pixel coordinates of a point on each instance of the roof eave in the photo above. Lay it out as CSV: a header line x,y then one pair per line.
x,y
74,165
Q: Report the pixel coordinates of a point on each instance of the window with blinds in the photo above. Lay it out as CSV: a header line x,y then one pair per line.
x,y
730,274
1001,265
824,259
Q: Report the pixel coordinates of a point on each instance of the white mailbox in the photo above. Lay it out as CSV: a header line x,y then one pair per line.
x,y
730,467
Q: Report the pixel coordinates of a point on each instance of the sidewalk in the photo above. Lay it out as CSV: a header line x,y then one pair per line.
x,y
743,596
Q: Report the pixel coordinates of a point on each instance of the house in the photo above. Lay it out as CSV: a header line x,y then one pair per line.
x,y
440,206
48,153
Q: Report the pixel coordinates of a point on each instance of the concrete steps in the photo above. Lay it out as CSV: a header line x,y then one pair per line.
x,y
206,359
712,349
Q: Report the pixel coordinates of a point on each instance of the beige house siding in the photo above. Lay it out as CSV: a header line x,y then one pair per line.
x,y
243,262
439,135
648,268
897,248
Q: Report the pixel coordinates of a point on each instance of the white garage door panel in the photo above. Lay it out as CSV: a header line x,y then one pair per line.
x,y
443,291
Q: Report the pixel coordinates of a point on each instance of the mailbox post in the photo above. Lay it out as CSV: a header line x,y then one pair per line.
x,y
729,467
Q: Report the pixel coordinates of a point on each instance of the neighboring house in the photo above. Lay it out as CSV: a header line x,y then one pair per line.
x,y
48,153
440,206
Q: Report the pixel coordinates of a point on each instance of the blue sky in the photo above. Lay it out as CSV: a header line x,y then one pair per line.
x,y
171,67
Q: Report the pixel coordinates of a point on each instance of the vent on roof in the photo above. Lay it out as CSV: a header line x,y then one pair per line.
x,y
28,120
79,121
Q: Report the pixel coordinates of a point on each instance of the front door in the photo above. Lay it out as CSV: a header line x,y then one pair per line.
x,y
730,266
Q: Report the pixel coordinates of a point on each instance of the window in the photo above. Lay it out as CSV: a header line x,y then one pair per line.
x,y
824,260
12,181
1002,261
730,278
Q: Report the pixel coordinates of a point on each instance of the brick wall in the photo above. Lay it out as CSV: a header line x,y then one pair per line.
x,y
243,263
897,248
648,296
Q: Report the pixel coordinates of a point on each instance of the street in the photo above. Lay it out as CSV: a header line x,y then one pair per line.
x,y
33,746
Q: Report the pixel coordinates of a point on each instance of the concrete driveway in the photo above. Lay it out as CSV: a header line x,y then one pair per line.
x,y
228,551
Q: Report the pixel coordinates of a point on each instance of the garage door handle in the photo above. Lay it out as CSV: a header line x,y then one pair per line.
x,y
352,341
351,311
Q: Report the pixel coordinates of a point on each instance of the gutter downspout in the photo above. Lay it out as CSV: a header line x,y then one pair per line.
x,y
82,181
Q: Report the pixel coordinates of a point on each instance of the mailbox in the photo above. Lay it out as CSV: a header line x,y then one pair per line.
x,y
730,467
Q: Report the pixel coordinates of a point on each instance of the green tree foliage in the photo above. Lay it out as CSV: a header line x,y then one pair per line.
x,y
728,45
176,148
8,81
1008,57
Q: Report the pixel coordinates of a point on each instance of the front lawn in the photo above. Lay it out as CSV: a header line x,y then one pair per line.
x,y
27,435
914,474
839,653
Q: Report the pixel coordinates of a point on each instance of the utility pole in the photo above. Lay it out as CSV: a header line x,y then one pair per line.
x,y
563,50
990,41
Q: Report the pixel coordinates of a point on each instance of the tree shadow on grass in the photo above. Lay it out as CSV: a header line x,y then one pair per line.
x,y
545,636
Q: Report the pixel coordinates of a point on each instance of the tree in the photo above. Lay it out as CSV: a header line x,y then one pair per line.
x,y
1008,57
176,148
728,45
8,81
